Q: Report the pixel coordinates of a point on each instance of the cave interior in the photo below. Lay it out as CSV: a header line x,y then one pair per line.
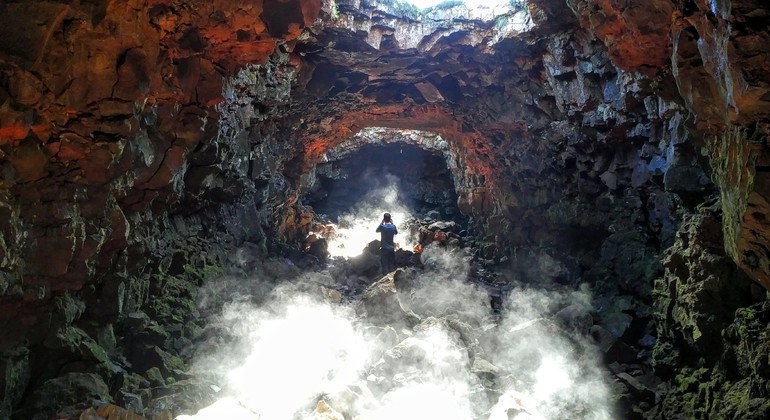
x,y
579,188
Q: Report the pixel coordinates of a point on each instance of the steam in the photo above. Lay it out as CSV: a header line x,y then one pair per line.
x,y
289,351
355,229
298,352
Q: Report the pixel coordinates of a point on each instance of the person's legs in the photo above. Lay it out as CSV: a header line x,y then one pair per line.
x,y
387,260
384,261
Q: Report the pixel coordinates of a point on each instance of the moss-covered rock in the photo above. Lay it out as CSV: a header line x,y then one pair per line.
x,y
66,390
741,400
14,377
71,342
155,377
700,291
173,299
69,307
713,344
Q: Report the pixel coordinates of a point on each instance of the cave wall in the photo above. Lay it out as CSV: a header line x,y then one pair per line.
x,y
552,133
145,140
126,161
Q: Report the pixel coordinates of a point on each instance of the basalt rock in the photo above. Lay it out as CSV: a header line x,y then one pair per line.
x,y
701,304
142,144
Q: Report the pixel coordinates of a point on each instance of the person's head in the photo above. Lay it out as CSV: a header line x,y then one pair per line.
x,y
386,217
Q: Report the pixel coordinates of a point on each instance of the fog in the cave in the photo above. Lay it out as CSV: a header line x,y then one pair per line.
x,y
355,227
297,348
294,353
402,179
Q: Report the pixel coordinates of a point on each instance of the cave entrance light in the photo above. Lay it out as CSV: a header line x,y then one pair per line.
x,y
404,172
356,228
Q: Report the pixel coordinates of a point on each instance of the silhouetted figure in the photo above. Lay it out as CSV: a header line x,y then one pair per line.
x,y
387,247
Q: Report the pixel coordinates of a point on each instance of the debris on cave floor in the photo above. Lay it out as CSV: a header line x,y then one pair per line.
x,y
444,287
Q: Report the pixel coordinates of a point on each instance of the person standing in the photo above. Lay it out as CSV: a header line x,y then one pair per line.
x,y
387,230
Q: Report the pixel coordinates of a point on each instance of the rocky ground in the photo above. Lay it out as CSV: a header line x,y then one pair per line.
x,y
497,326
147,367
149,150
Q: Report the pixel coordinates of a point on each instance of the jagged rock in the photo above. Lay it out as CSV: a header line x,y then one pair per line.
x,y
331,295
136,321
644,392
155,377
367,263
381,301
613,348
66,390
14,377
132,403
700,295
319,248
186,395
484,369
109,411
633,264
138,139
616,322
324,411
72,342
701,290
575,316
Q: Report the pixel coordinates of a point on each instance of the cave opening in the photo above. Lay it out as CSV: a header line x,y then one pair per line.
x,y
410,174
601,172
396,174
426,4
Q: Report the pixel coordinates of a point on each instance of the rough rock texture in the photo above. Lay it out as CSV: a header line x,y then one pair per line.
x,y
119,161
707,330
722,76
143,143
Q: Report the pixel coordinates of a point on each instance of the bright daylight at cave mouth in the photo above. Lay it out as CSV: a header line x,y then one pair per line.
x,y
378,210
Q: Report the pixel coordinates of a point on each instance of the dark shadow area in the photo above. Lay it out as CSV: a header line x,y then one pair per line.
x,y
418,179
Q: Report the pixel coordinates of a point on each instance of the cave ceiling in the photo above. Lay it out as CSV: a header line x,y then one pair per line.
x,y
146,139
124,107
133,102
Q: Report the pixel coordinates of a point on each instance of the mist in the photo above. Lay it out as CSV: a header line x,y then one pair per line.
x,y
433,349
355,228
418,343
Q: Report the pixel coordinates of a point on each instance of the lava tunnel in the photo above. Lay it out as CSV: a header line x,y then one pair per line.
x,y
190,192
418,179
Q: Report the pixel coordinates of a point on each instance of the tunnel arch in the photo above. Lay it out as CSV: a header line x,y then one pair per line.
x,y
417,167
482,196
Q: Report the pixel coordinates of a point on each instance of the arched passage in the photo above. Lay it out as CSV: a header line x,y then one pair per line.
x,y
418,179
469,154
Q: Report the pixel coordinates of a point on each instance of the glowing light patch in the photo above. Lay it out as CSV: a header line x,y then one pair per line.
x,y
356,229
354,233
294,351
552,376
308,351
422,401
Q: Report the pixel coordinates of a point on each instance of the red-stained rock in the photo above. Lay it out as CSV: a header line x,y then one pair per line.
x,y
115,114
636,34
29,162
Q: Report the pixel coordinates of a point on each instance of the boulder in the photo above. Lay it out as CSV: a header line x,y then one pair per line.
x,y
612,348
67,390
381,301
323,411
